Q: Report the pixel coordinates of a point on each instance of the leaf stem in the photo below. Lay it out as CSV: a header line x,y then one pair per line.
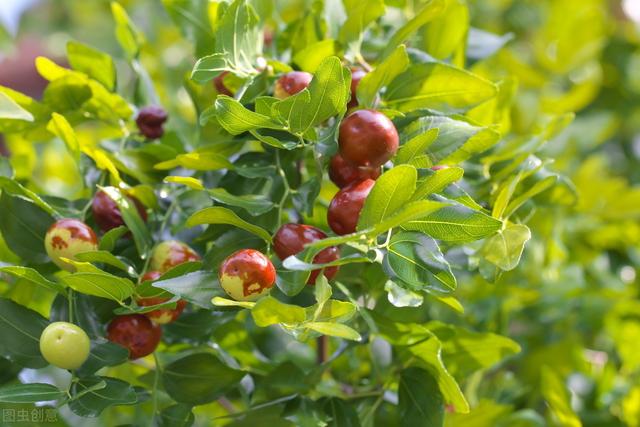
x,y
287,188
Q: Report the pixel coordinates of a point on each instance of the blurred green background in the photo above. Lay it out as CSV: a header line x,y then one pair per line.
x,y
574,302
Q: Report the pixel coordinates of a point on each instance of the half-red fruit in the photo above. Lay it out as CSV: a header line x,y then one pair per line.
x,y
290,239
246,275
162,315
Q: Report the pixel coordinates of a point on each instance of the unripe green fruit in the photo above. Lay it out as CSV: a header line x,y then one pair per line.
x,y
64,345
66,238
167,255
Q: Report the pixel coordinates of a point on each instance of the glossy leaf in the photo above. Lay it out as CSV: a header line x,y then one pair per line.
x,y
199,378
29,393
20,330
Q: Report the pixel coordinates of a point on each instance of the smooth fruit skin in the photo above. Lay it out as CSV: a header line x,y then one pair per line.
x,y
64,345
218,83
346,205
246,275
136,333
106,212
368,138
66,238
343,173
161,316
150,120
170,253
290,239
291,83
356,75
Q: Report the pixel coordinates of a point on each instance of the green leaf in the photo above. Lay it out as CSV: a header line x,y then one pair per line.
x,y
438,86
192,18
29,393
557,397
431,10
410,212
332,311
504,248
390,193
381,76
97,65
269,311
14,188
437,181
456,141
198,287
60,127
254,204
128,36
399,296
359,15
101,355
104,257
456,224
239,38
23,226
176,416
340,412
447,33
100,284
416,260
196,160
20,330
417,345
335,330
208,67
9,109
67,94
92,395
310,58
132,220
413,151
33,276
468,351
219,215
199,378
108,240
419,400
326,96
236,119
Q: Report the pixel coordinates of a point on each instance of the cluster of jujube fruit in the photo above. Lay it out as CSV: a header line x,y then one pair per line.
x,y
367,140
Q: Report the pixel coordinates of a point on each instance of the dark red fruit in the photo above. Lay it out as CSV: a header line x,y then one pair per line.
x,y
218,82
150,120
356,75
367,138
136,333
246,275
343,173
106,213
290,239
291,83
346,205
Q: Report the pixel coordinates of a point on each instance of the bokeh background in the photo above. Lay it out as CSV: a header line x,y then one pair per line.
x,y
574,302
